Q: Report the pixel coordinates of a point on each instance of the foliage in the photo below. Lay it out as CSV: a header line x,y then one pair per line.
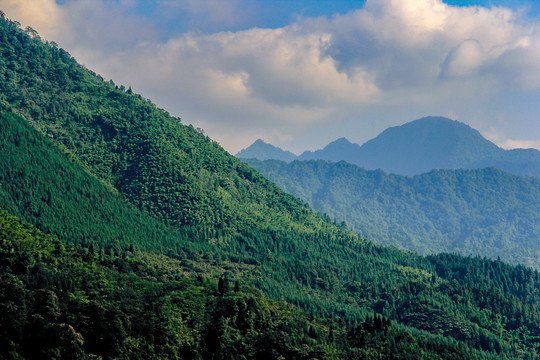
x,y
66,302
483,212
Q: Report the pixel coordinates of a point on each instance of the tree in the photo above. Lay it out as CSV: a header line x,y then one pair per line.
x,y
223,286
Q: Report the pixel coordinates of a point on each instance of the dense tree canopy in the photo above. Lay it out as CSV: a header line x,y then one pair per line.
x,y
480,212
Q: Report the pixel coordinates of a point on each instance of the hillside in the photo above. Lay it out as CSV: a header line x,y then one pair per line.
x,y
483,212
64,302
120,246
48,188
68,302
424,145
186,219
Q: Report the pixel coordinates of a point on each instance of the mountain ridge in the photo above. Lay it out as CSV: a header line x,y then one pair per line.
x,y
426,144
262,150
340,149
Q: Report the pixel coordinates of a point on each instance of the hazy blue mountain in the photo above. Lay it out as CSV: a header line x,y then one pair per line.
x,y
516,161
263,151
485,211
341,149
426,144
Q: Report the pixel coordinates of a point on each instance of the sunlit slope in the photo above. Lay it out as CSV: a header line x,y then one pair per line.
x,y
170,170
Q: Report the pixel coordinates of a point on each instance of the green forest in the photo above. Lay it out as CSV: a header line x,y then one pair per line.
x,y
125,234
481,211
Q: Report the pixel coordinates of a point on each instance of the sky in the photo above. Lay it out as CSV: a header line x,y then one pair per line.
x,y
300,74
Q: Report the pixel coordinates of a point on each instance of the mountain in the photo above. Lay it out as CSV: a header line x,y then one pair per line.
x,y
427,144
440,143
516,161
261,150
341,149
59,301
126,234
484,212
109,242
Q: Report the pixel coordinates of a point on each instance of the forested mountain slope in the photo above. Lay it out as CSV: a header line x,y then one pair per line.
x,y
49,188
195,214
173,172
483,212
66,302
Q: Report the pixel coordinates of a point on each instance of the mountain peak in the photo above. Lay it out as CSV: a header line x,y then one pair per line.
x,y
439,124
341,140
337,150
342,143
264,151
432,142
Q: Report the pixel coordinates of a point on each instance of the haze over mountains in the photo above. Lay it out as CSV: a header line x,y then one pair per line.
x,y
420,146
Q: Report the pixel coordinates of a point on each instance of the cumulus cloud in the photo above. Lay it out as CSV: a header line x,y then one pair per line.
x,y
501,139
45,16
463,60
520,144
313,72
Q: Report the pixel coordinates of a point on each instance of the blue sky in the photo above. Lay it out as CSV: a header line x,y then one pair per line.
x,y
300,74
277,13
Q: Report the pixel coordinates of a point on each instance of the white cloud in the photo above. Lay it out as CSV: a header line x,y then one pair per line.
x,y
491,131
234,84
463,60
520,144
45,16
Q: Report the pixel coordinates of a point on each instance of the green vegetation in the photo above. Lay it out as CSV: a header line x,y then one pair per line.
x,y
50,189
66,302
147,224
483,212
173,172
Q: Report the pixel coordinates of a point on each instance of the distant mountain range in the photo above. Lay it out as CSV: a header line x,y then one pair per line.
x,y
484,212
418,147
